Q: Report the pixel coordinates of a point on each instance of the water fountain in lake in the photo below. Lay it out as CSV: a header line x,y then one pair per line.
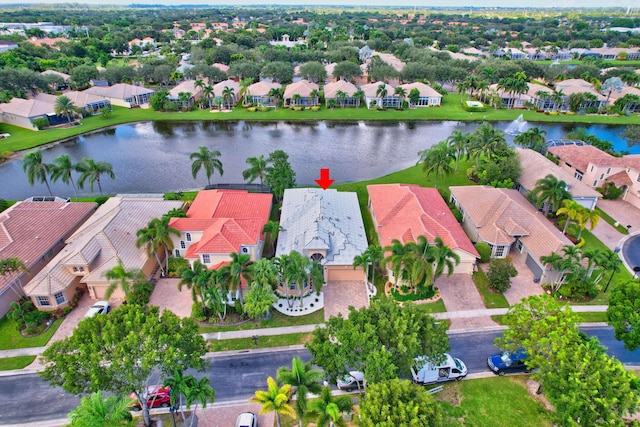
x,y
517,126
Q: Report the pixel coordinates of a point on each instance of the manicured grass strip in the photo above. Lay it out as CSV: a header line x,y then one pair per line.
x,y
17,362
605,216
10,338
263,342
498,318
278,320
482,402
593,317
22,139
432,307
490,298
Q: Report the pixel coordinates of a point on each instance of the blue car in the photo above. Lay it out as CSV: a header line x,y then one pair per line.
x,y
506,361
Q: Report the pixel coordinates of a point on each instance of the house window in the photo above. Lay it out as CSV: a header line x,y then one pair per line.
x,y
44,302
176,253
638,178
601,176
520,245
187,236
591,168
578,176
293,286
608,171
78,269
206,259
183,245
317,257
60,298
595,183
499,251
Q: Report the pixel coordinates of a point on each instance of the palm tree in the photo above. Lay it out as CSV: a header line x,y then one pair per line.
x,y
36,168
485,141
228,95
443,257
315,95
558,99
119,277
375,254
590,216
329,408
264,272
550,192
214,299
534,139
18,312
401,93
208,159
381,92
239,268
274,399
208,94
459,142
608,261
92,170
272,228
197,278
62,169
100,411
556,262
358,95
304,379
259,300
342,97
296,98
10,266
178,384
198,391
396,253
64,105
157,235
276,94
243,93
572,210
257,169
363,261
437,160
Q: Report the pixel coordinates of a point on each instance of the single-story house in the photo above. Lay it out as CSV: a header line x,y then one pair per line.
x,y
595,167
83,100
505,220
535,166
66,78
258,94
221,222
107,237
6,45
187,86
305,89
231,85
429,97
327,227
404,212
373,98
34,232
122,94
572,86
331,92
626,90
23,112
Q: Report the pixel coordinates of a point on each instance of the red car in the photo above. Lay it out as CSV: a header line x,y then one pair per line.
x,y
157,397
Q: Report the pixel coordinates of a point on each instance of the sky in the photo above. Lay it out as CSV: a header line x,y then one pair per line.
x,y
417,3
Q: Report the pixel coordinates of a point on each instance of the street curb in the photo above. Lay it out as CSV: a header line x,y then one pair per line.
x,y
261,350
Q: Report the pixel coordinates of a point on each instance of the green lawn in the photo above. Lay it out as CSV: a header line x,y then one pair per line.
x,y
490,402
22,139
490,298
10,338
18,362
263,342
432,307
278,320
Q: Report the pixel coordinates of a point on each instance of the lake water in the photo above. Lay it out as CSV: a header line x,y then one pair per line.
x,y
153,157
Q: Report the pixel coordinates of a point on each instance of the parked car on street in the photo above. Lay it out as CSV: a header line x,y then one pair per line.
x,y
157,397
99,307
247,419
354,380
423,372
505,362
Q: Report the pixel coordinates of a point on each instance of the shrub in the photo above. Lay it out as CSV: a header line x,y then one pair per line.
x,y
141,293
424,292
197,312
263,109
175,265
457,214
500,273
76,298
3,204
484,250
100,200
315,108
41,123
472,109
252,109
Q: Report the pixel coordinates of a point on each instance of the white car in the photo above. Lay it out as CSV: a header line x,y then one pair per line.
x,y
99,307
247,419
354,380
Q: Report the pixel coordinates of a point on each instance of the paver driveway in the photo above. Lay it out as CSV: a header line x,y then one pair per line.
x,y
340,294
459,293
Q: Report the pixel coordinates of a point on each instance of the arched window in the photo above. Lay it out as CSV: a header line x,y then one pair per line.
x,y
317,257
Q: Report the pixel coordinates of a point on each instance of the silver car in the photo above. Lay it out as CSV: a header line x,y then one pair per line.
x,y
99,307
247,419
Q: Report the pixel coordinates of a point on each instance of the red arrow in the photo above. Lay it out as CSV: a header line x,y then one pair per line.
x,y
325,182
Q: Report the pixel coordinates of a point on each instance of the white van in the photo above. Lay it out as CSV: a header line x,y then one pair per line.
x,y
450,369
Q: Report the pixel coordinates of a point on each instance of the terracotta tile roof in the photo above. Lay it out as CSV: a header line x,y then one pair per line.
x,y
262,88
118,91
79,99
405,212
29,229
425,90
371,89
580,156
536,166
621,178
227,218
626,90
500,214
27,108
572,86
218,88
302,88
331,89
108,235
185,86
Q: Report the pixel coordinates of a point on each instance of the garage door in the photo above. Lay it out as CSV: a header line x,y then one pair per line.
x,y
344,273
535,268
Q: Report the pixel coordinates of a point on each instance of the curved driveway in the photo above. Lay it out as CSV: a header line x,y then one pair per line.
x,y
631,251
